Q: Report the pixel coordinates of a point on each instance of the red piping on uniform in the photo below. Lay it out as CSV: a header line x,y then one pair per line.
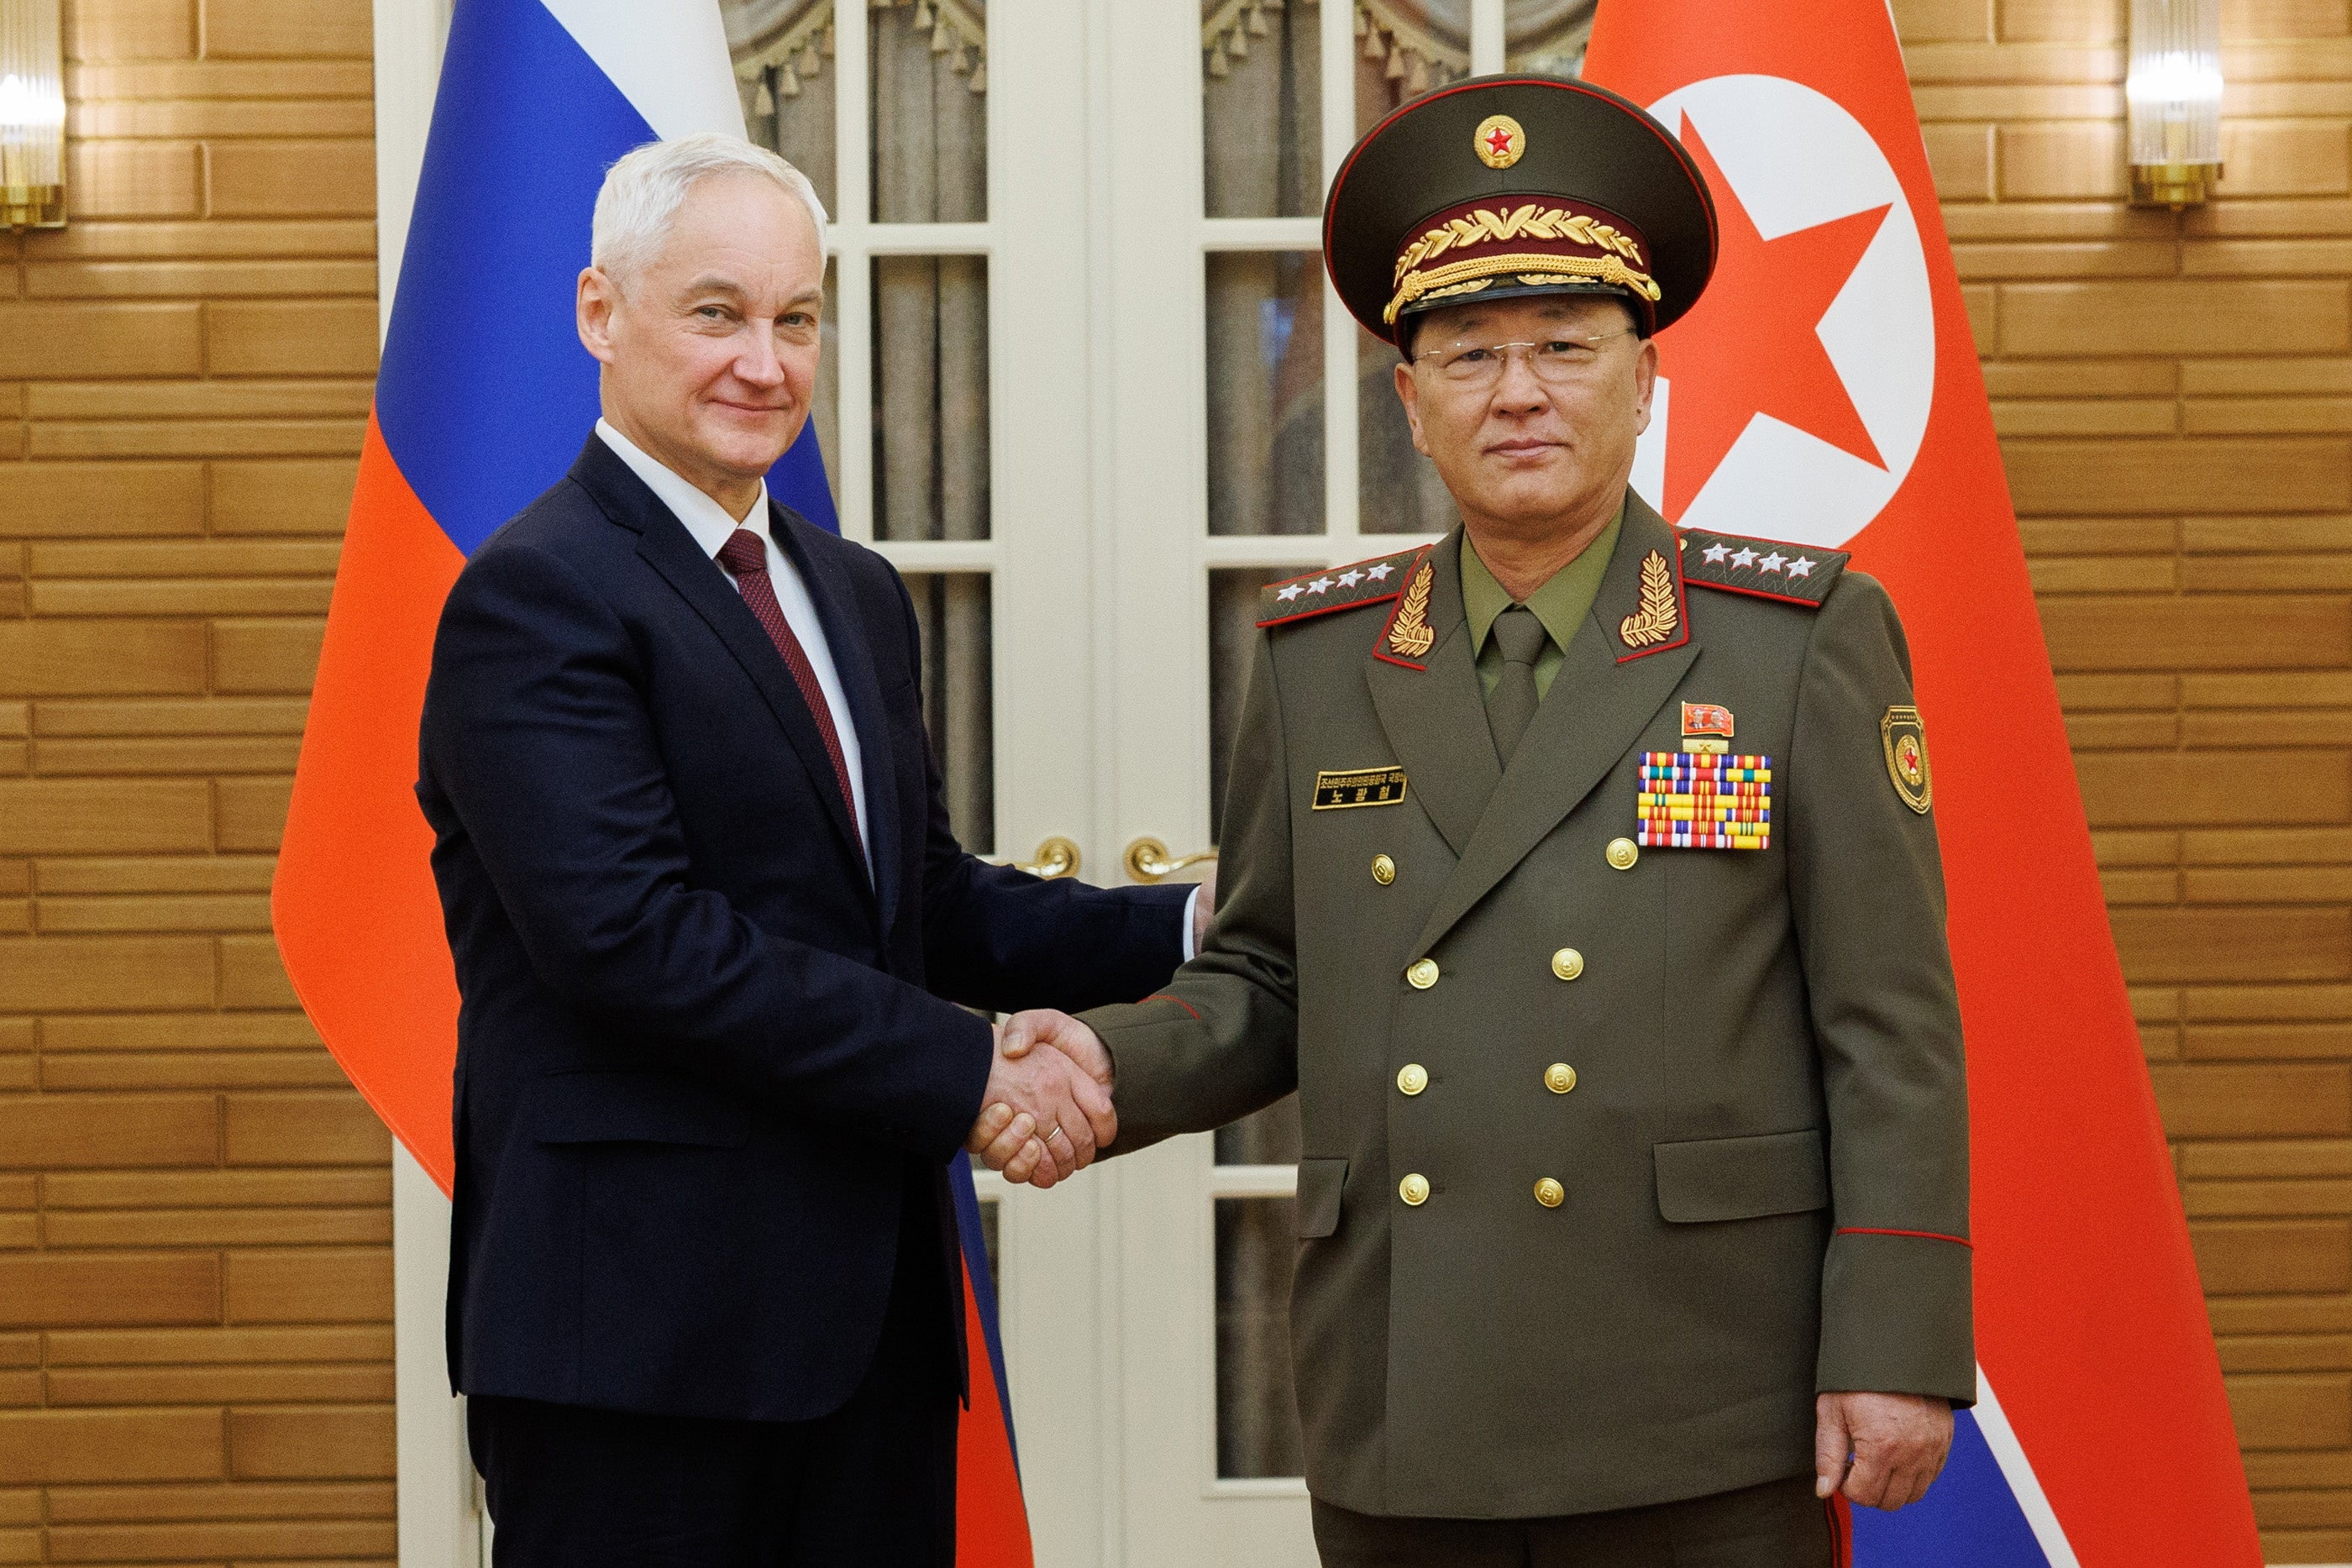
x,y
1331,608
1380,645
1681,615
1756,593
1164,996
1922,1235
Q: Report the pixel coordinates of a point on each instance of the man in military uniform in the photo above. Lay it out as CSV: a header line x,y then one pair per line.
x,y
1580,878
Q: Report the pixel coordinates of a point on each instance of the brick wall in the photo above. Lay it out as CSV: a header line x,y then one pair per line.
x,y
195,1281
194,1285
2175,399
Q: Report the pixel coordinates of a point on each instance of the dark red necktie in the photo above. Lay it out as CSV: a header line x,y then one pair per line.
x,y
745,557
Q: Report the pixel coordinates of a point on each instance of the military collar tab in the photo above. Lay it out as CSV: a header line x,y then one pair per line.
x,y
1373,581
1765,568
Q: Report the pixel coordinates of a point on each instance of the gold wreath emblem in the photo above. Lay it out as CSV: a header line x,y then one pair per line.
x,y
1409,633
1501,141
1905,737
1655,620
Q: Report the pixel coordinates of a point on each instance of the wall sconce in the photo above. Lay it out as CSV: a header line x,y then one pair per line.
x,y
32,115
2173,100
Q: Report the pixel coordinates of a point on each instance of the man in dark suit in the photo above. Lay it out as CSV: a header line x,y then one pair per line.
x,y
710,928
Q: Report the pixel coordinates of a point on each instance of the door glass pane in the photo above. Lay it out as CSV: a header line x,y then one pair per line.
x,y
1266,391
1262,108
783,71
931,397
1405,48
951,612
1397,489
928,113
1257,1413
826,411
1546,36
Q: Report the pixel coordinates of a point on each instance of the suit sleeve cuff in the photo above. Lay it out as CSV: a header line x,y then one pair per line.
x,y
1895,1315
1190,948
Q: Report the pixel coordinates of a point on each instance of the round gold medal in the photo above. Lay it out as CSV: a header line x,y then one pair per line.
x,y
1501,141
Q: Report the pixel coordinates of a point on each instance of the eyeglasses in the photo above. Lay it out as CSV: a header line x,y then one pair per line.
x,y
1555,361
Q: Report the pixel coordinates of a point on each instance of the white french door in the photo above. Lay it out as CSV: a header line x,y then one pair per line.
x,y
1087,388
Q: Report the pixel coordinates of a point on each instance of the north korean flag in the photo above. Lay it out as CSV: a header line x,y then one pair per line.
x,y
1826,389
483,401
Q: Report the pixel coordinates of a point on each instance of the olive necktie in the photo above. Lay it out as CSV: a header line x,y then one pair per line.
x,y
1519,638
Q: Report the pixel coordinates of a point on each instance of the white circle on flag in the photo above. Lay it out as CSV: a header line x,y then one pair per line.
x,y
1795,159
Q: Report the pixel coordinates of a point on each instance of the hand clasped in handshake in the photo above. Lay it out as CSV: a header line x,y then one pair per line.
x,y
1045,1110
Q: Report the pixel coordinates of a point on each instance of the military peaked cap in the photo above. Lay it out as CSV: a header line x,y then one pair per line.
x,y
1505,185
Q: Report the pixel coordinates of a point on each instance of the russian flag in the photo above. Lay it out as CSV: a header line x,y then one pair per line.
x,y
483,399
1826,389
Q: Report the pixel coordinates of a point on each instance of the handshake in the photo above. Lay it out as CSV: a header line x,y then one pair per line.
x,y
1047,1106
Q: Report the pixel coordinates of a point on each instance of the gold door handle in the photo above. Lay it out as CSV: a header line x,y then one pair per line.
x,y
1056,857
1148,860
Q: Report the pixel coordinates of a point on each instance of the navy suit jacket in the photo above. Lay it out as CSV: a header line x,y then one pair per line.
x,y
702,1056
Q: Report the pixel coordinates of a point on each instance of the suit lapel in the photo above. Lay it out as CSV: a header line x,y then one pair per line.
x,y
1434,715
853,661
664,544
1622,665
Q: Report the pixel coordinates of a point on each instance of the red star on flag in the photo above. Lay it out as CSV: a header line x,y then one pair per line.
x,y
1751,346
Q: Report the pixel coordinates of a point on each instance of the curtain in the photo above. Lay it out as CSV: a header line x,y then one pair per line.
x,y
929,423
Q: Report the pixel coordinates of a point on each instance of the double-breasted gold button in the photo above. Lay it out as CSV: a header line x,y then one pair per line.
x,y
1550,1194
1421,974
1568,963
1414,1190
1560,1078
1383,870
1622,854
1411,1078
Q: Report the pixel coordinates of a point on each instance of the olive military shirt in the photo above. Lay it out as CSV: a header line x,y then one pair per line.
x,y
1564,599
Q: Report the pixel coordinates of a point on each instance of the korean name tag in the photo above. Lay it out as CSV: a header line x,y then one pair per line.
x,y
1358,787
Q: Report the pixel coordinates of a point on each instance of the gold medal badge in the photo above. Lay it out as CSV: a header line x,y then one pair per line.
x,y
1501,141
1905,737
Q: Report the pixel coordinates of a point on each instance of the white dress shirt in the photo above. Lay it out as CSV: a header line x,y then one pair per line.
x,y
707,521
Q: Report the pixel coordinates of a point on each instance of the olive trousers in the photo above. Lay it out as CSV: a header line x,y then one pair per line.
x,y
1780,1524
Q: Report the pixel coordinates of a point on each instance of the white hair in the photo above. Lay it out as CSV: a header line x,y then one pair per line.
x,y
644,191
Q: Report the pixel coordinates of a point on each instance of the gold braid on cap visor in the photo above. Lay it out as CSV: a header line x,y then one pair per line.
x,y
1485,225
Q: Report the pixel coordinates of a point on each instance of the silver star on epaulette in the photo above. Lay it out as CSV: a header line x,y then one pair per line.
x,y
1745,557
1318,585
1715,554
1801,567
1349,579
1378,572
1293,592
1774,562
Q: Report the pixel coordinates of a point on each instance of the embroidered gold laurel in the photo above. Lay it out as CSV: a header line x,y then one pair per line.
x,y
1438,280
1655,620
1539,222
1409,633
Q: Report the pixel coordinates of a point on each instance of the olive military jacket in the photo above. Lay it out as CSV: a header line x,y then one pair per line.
x,y
1613,1155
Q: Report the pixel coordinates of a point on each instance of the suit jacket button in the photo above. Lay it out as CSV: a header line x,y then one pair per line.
x,y
1383,870
1622,854
1550,1194
1560,1078
1414,1190
1421,975
1411,1078
1568,963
